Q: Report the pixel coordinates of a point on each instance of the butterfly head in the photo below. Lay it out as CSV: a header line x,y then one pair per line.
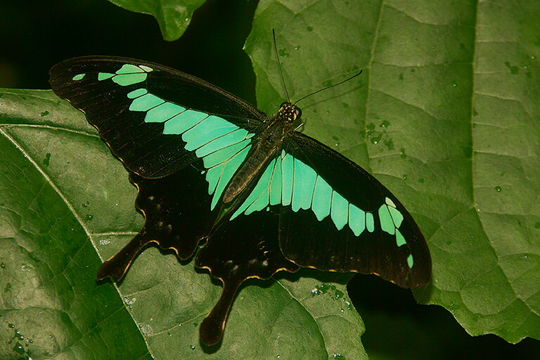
x,y
289,112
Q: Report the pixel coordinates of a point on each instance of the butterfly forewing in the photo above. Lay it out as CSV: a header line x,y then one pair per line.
x,y
143,110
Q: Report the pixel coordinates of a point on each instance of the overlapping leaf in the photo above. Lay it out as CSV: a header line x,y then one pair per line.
x,y
173,16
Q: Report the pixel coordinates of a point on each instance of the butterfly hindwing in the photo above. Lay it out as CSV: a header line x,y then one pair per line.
x,y
336,216
144,111
177,216
245,248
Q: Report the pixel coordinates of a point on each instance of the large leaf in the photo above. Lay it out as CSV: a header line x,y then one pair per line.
x,y
64,208
173,16
446,115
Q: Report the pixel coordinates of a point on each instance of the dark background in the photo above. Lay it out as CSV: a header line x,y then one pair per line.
x,y
36,34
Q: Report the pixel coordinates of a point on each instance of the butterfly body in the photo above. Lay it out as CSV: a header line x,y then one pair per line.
x,y
262,197
267,145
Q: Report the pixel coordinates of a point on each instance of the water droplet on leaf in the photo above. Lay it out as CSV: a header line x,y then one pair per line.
x,y
47,159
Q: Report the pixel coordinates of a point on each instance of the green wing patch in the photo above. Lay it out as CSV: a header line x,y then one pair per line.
x,y
222,145
288,181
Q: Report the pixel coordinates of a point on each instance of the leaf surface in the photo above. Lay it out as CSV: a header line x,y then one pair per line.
x,y
446,115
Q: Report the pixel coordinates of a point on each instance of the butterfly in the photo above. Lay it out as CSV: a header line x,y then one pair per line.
x,y
244,193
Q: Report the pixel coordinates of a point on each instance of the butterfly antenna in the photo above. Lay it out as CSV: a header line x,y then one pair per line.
x,y
279,64
328,87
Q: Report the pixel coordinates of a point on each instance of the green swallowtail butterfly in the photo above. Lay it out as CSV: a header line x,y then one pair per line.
x,y
212,169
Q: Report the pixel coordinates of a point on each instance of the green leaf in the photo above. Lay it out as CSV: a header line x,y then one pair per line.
x,y
47,265
173,16
64,208
446,115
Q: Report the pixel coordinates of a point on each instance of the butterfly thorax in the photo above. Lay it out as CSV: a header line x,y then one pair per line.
x,y
266,146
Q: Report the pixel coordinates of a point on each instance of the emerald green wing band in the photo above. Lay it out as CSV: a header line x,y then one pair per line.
x,y
290,182
222,145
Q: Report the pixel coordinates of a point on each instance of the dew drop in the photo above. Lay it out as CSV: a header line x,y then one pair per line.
x,y
404,176
3,265
376,139
192,347
89,217
18,348
498,188
47,159
104,242
402,153
533,57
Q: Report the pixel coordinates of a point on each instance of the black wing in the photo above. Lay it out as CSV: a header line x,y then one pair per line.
x,y
335,216
379,236
117,95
